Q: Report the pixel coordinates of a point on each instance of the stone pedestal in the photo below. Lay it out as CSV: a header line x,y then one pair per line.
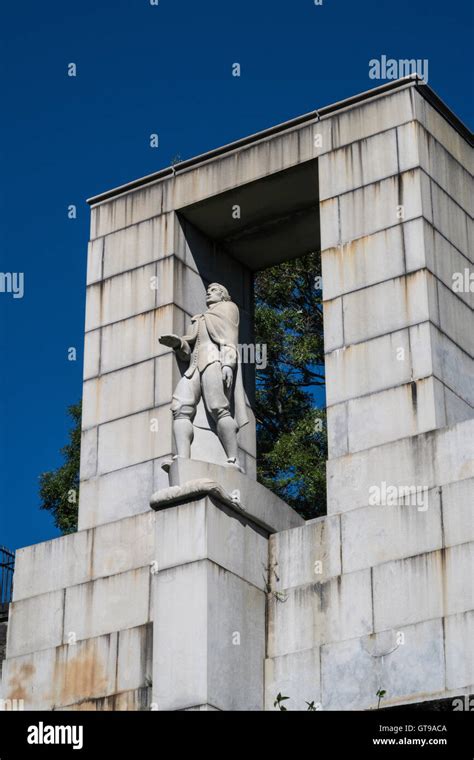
x,y
209,587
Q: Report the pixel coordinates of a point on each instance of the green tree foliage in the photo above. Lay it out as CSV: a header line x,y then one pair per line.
x,y
290,405
59,489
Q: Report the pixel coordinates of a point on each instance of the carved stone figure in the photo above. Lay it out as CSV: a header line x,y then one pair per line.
x,y
214,372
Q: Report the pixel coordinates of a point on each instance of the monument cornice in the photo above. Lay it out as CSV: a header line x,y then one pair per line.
x,y
317,115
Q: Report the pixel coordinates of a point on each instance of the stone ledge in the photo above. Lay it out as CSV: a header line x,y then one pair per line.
x,y
191,479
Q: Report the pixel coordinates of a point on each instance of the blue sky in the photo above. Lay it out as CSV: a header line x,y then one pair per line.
x,y
143,69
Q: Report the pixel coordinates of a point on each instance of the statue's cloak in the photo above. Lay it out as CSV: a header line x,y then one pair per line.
x,y
222,322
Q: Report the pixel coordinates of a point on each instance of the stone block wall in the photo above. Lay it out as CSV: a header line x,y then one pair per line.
x,y
379,596
80,633
396,224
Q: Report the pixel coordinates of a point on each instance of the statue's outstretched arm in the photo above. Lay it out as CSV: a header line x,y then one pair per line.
x,y
181,346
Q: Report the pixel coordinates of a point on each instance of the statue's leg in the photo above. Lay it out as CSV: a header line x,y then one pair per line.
x,y
183,408
218,404
227,432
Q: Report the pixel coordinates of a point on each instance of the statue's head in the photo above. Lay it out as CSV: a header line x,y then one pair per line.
x,y
216,293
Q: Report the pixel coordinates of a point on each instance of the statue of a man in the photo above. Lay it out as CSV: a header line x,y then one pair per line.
x,y
214,371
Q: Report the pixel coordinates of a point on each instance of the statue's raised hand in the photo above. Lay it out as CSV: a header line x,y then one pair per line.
x,y
172,341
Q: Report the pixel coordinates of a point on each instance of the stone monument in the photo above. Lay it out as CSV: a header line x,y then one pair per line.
x,y
220,596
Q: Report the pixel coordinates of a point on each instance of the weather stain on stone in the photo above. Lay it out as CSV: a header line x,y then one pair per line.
x,y
324,593
19,680
83,673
